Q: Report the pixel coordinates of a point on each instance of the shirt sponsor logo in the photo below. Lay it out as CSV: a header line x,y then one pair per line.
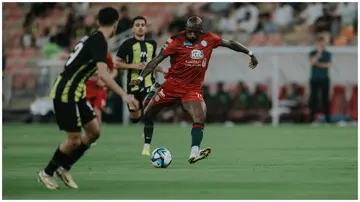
x,y
196,54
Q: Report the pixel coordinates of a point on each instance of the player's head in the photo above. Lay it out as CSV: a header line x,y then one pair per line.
x,y
108,17
139,27
194,28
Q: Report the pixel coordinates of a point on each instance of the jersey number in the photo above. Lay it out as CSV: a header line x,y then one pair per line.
x,y
74,53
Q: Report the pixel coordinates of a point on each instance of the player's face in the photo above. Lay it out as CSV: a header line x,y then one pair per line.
x,y
193,35
139,27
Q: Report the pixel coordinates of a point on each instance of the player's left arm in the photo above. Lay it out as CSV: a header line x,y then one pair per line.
x,y
238,47
158,68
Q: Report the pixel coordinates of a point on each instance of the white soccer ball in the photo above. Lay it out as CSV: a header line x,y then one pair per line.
x,y
161,158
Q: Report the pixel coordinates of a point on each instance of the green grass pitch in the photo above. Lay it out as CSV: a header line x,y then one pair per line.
x,y
247,162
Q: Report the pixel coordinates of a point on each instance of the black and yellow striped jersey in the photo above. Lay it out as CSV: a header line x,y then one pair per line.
x,y
79,67
134,51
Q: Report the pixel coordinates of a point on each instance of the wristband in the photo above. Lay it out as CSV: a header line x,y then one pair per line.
x,y
140,78
250,53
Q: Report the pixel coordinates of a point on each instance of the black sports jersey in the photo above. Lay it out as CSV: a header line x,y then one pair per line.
x,y
133,51
80,66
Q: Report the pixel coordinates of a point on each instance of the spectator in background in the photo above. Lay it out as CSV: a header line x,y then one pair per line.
x,y
295,104
283,16
177,24
260,105
80,8
85,26
311,12
320,61
210,104
228,24
348,12
323,24
125,23
51,50
240,104
223,102
247,17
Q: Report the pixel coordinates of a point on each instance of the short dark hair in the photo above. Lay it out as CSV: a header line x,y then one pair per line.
x,y
108,16
138,18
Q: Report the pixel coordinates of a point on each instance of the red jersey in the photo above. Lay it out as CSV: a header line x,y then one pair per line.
x,y
189,62
91,88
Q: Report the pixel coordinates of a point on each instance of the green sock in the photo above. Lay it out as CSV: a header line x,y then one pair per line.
x,y
197,134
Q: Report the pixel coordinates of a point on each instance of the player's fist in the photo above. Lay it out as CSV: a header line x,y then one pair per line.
x,y
130,99
253,62
134,83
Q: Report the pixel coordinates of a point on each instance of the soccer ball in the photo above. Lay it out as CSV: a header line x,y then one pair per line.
x,y
161,158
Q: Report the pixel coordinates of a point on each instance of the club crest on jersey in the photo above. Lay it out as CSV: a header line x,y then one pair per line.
x,y
196,54
204,43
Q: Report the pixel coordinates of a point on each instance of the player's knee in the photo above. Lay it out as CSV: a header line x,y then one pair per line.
x,y
74,141
199,117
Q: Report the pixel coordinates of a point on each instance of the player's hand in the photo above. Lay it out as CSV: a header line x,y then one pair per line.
x,y
130,99
253,62
134,83
140,66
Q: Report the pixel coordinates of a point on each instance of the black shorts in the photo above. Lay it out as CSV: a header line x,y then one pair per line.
x,y
71,116
140,96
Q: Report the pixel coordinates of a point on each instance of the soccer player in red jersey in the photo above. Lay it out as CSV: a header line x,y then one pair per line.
x,y
96,91
190,52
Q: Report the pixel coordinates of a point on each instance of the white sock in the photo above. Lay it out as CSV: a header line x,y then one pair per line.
x,y
147,146
194,151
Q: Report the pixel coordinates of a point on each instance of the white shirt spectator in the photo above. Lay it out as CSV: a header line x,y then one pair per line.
x,y
248,25
81,8
312,13
227,25
283,15
347,11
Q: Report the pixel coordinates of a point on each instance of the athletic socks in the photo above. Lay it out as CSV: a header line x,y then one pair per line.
x,y
197,134
59,158
75,156
148,130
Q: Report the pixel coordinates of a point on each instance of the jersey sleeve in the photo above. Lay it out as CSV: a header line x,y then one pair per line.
x,y
169,47
216,40
122,52
98,49
110,61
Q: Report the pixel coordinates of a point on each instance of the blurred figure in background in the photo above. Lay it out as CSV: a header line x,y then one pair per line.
x,y
260,105
125,23
210,103
240,104
295,104
223,102
320,61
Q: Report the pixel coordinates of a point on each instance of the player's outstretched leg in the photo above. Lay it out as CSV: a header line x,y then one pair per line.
x,y
150,113
197,110
149,118
92,133
60,158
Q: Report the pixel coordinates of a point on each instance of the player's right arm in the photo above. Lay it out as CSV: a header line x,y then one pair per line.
x,y
98,53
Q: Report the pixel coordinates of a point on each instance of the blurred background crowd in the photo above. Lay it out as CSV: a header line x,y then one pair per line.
x,y
33,31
